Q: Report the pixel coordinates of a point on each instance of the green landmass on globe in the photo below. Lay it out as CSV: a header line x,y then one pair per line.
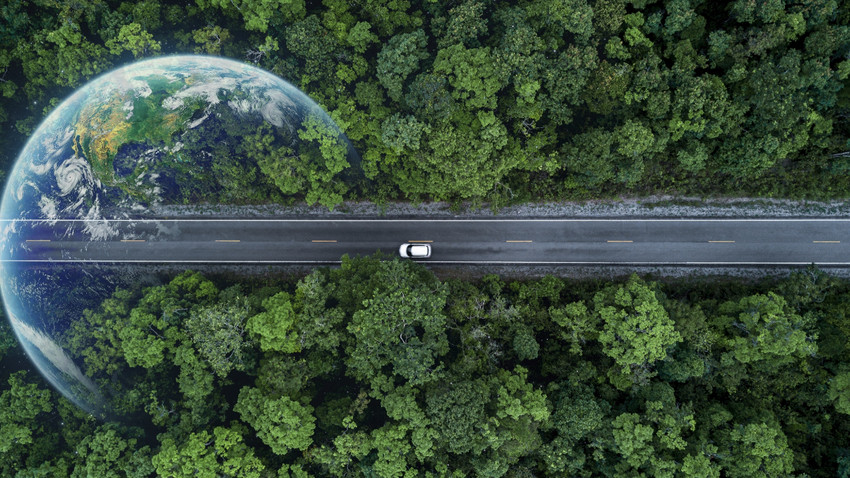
x,y
103,128
167,131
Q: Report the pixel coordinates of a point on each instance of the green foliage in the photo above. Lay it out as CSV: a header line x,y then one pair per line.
x,y
764,329
63,57
258,14
281,423
311,170
839,392
457,411
408,375
218,334
578,323
683,88
210,39
461,162
204,454
525,346
403,133
360,37
108,454
7,337
332,160
473,74
757,450
465,24
135,39
398,59
273,327
379,367
636,329
632,439
400,324
20,405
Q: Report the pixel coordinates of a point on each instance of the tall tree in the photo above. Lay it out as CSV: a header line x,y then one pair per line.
x,y
220,453
636,329
400,325
21,406
281,423
398,59
218,333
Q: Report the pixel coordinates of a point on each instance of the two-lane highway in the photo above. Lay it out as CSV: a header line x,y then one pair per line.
x,y
484,241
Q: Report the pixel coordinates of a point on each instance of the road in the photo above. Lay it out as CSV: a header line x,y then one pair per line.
x,y
469,241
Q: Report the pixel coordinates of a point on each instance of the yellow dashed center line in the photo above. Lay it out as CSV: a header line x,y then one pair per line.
x,y
419,241
724,242
827,242
323,240
620,241
227,240
38,240
517,241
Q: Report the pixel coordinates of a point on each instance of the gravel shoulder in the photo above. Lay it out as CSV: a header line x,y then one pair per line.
x,y
652,206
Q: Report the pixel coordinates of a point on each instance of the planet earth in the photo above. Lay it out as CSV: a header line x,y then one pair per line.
x,y
173,130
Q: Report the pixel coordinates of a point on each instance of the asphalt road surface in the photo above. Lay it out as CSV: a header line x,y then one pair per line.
x,y
825,242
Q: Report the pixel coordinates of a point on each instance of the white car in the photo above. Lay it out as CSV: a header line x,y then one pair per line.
x,y
415,251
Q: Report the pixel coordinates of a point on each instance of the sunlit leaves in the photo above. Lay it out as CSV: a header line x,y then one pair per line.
x,y
573,16
273,327
60,57
222,453
633,439
281,423
135,39
764,329
579,325
758,450
218,334
402,133
258,14
20,404
636,329
108,454
311,169
465,24
474,74
839,391
210,39
360,37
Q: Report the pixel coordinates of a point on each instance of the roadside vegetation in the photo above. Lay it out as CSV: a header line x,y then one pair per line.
x,y
498,101
380,369
377,368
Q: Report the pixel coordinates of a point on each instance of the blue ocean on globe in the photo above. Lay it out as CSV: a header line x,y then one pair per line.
x,y
170,130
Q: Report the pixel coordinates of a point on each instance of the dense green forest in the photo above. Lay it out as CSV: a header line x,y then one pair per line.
x,y
379,369
499,101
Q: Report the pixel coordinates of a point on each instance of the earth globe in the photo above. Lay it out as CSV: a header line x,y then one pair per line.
x,y
171,130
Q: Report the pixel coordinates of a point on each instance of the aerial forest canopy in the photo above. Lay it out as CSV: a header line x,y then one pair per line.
x,y
493,100
377,368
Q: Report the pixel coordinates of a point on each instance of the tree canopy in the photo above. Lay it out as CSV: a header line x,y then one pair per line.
x,y
379,368
484,100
